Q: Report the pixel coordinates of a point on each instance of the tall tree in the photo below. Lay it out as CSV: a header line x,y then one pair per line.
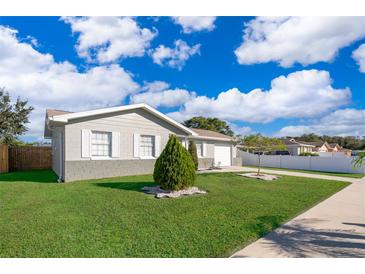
x,y
261,144
13,118
193,153
213,124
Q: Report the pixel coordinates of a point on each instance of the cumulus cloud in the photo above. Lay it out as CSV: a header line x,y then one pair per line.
x,y
343,122
108,39
35,76
195,23
359,57
159,94
242,130
304,40
174,57
306,93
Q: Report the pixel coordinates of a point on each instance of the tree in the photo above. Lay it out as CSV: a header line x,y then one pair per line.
x,y
174,169
193,153
214,124
13,118
260,144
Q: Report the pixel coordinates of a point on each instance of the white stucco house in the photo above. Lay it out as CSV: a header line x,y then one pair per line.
x,y
124,140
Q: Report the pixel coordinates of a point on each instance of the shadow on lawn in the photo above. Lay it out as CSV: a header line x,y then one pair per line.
x,y
130,186
35,176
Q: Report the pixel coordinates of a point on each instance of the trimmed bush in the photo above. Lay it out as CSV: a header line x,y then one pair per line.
x,y
174,169
193,153
308,154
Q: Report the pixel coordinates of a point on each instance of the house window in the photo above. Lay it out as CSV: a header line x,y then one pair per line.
x,y
146,146
199,149
100,143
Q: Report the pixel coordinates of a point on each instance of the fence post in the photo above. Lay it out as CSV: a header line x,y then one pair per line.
x,y
310,162
280,161
4,158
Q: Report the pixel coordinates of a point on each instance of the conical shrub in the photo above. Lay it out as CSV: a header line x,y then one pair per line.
x,y
193,153
174,169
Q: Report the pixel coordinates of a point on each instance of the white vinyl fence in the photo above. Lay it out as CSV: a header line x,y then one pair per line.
x,y
329,164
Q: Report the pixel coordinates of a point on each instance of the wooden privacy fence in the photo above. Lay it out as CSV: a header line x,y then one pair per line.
x,y
28,157
4,158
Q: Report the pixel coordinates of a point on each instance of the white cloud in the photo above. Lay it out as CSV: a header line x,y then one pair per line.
x,y
359,57
174,57
304,40
158,94
306,93
110,38
35,76
242,130
344,122
195,23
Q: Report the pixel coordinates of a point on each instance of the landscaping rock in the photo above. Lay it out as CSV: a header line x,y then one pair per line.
x,y
265,177
161,193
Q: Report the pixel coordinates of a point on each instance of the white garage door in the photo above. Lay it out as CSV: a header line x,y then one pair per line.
x,y
222,155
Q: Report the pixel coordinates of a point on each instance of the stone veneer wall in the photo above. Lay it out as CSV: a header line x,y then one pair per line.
x,y
237,161
205,162
84,170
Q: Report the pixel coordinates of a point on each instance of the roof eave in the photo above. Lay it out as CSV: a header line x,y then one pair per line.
x,y
65,118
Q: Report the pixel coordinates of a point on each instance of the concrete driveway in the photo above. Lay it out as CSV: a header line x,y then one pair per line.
x,y
333,228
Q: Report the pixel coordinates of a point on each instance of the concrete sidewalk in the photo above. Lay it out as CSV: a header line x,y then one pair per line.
x,y
333,228
284,172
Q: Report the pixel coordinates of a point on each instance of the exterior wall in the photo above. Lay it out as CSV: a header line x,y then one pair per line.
x,y
335,164
127,123
56,152
85,170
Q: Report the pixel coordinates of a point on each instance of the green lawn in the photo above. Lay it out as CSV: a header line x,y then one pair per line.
x,y
112,218
338,174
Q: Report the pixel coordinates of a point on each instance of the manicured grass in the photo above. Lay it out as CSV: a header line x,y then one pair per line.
x,y
112,218
338,174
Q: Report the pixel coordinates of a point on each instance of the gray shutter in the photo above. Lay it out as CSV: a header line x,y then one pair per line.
x,y
85,143
157,146
204,148
136,145
115,144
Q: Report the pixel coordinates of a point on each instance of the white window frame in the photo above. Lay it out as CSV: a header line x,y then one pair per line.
x,y
101,157
152,156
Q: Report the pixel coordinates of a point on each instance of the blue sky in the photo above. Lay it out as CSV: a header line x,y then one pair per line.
x,y
317,64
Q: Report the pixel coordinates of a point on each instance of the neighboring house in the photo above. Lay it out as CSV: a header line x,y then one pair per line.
x,y
297,147
124,140
326,149
320,146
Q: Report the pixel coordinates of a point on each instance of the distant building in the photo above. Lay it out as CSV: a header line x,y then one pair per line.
x,y
295,147
332,147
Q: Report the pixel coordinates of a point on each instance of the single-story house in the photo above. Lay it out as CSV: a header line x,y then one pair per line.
x,y
295,147
124,140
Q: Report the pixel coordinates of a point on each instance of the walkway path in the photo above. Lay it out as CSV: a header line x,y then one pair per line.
x,y
333,228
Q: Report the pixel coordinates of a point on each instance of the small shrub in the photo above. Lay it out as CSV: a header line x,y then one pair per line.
x,y
193,153
174,169
308,154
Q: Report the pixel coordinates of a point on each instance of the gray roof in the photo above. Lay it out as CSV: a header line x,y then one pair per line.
x,y
203,133
211,134
50,113
293,142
